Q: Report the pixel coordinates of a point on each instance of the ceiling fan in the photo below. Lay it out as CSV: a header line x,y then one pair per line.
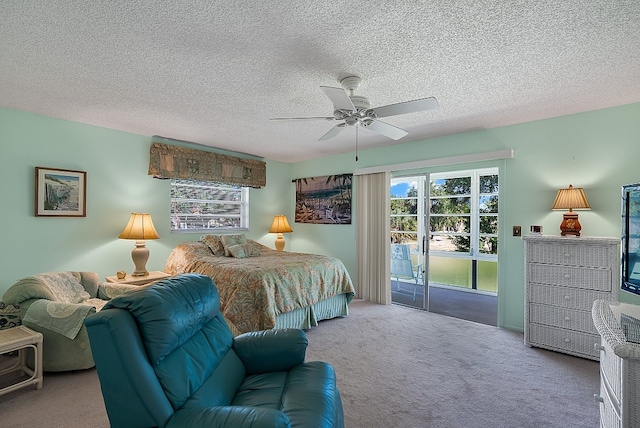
x,y
353,109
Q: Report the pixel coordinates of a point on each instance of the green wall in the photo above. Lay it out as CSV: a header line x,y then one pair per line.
x,y
598,150
117,184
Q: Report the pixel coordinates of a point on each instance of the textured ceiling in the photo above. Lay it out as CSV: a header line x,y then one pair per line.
x,y
214,72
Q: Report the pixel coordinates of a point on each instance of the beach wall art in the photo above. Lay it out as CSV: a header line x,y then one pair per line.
x,y
324,200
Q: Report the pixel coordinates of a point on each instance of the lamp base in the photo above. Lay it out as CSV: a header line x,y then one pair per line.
x,y
280,242
140,255
570,224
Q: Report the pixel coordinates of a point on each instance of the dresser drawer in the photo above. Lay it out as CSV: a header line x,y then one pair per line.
x,y
569,254
566,276
556,316
573,342
564,296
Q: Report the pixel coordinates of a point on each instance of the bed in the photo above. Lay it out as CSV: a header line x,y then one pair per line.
x,y
261,288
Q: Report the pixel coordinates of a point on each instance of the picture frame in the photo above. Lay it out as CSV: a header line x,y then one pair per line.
x,y
324,200
60,192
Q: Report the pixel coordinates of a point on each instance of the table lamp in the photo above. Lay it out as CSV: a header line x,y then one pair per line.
x,y
140,228
280,225
571,198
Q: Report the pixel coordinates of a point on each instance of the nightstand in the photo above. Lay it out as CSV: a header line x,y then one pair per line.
x,y
139,280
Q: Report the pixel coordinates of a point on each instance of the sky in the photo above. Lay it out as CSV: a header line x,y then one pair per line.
x,y
399,188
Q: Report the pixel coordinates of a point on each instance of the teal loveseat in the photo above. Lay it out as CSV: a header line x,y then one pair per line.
x,y
165,357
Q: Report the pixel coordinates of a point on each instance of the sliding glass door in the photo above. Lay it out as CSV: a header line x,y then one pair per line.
x,y
409,284
449,224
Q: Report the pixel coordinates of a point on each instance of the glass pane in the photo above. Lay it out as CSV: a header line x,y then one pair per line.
x,y
404,206
488,204
461,205
455,224
450,271
204,205
489,224
488,184
451,186
488,244
190,207
404,223
404,238
186,221
451,243
487,276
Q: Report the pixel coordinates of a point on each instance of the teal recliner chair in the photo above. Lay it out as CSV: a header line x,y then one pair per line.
x,y
166,357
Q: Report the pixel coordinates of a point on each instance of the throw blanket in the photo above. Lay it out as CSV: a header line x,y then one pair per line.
x,y
64,318
62,300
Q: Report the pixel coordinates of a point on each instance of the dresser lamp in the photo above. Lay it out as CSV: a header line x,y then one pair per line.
x,y
280,225
140,228
571,198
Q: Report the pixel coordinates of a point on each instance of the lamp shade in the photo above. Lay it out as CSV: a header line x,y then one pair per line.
x,y
140,227
571,198
280,225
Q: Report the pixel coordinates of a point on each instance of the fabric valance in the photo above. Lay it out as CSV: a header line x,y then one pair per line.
x,y
167,161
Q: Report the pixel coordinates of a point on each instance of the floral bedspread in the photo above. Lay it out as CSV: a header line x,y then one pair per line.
x,y
254,290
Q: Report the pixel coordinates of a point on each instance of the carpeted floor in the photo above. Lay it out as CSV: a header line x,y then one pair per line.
x,y
396,367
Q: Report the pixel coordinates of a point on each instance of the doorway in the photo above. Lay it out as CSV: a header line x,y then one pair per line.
x,y
447,223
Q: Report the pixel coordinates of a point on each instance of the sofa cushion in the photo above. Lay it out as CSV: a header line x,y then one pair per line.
x,y
9,316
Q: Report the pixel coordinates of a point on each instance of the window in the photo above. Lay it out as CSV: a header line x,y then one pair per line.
x,y
464,213
203,205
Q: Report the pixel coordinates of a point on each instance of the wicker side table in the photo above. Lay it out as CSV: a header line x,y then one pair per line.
x,y
19,339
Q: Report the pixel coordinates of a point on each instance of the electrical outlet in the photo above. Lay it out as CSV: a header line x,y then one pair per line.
x,y
517,231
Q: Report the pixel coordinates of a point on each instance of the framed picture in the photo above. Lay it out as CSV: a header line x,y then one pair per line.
x,y
324,200
60,193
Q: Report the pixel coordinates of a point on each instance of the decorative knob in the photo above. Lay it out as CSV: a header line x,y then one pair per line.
x,y
567,318
598,347
598,398
567,340
567,276
121,274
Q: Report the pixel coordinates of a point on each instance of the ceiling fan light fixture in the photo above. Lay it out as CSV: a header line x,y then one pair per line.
x,y
356,110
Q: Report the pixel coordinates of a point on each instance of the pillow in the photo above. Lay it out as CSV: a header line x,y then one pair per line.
x,y
242,251
230,240
214,243
9,316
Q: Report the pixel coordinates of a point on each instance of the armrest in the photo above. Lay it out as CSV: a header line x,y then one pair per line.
x,y
229,416
271,350
108,290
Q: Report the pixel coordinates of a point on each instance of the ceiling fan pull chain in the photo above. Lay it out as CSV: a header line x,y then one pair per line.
x,y
357,126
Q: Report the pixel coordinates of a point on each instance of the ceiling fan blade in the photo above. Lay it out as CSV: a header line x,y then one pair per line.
x,y
338,97
385,129
422,104
333,132
303,118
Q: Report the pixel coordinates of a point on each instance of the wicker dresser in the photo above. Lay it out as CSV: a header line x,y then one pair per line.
x,y
563,277
619,366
